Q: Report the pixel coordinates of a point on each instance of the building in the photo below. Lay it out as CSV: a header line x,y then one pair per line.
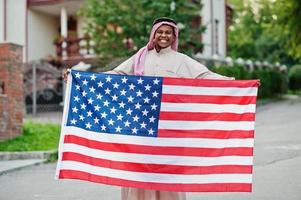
x,y
38,24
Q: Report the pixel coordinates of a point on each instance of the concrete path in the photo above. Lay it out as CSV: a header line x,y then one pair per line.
x,y
277,170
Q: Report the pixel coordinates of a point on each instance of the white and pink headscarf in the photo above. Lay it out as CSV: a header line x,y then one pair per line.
x,y
139,58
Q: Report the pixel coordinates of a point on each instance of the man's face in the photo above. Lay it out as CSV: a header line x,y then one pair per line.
x,y
164,36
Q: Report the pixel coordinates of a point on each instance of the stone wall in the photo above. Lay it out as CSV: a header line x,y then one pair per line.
x,y
11,91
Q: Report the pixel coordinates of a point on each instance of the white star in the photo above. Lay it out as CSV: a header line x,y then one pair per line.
x,y
132,86
118,129
108,79
106,103
83,106
124,79
129,111
147,87
100,84
140,80
77,87
123,92
104,115
155,94
114,97
154,106
84,93
96,108
77,75
89,113
76,98
130,99
113,110
88,125
73,121
116,85
85,82
93,77
127,123
96,120
103,127
92,89
143,125
136,118
119,117
81,117
156,81
139,93
152,119
121,104
151,132
90,101
144,113
146,100
107,91
134,130
74,109
99,96
137,106
111,122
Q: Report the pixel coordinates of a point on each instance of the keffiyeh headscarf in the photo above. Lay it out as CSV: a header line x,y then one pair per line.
x,y
139,58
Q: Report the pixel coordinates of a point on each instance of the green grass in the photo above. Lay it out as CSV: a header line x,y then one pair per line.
x,y
35,137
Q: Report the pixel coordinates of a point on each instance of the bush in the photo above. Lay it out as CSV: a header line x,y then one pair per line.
x,y
273,82
295,78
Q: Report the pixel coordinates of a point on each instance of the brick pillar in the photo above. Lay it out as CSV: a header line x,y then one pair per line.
x,y
11,91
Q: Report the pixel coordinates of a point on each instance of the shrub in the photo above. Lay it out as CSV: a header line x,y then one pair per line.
x,y
295,78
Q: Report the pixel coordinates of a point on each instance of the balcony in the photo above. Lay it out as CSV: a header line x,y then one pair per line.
x,y
73,49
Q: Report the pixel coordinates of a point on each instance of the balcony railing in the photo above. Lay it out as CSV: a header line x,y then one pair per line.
x,y
74,48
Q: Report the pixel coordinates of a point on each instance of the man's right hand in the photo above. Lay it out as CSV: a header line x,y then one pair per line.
x,y
65,74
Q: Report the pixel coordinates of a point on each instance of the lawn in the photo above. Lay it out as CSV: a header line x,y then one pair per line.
x,y
35,137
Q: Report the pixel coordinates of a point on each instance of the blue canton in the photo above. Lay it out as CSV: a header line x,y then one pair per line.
x,y
115,104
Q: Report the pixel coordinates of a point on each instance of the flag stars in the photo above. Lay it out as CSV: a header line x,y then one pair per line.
x,y
73,121
85,82
76,98
96,120
155,94
81,117
90,101
134,130
140,80
115,85
104,114
152,119
84,93
151,131
108,78
154,106
99,96
114,97
123,92
89,113
96,108
74,110
146,100
136,118
103,127
144,112
77,87
137,106
127,123
111,122
139,93
83,106
118,129
124,79
156,81
143,125
106,103
129,111
77,75
113,110
147,87
88,125
93,77
130,99
92,89
107,91
119,117
121,104
100,84
132,86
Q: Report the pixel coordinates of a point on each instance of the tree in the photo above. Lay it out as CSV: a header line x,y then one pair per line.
x,y
120,27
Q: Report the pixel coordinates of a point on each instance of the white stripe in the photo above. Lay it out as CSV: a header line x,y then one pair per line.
x,y
155,141
159,159
220,91
157,178
210,125
211,108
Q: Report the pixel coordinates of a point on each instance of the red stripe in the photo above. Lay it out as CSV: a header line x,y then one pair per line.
x,y
198,116
157,168
217,134
215,187
178,98
158,150
210,82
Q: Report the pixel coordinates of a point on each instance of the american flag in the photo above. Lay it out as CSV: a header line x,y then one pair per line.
x,y
158,133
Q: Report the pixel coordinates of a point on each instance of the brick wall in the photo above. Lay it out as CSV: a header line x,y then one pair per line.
x,y
11,90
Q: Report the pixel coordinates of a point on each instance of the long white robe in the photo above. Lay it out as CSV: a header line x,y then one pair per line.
x,y
167,63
